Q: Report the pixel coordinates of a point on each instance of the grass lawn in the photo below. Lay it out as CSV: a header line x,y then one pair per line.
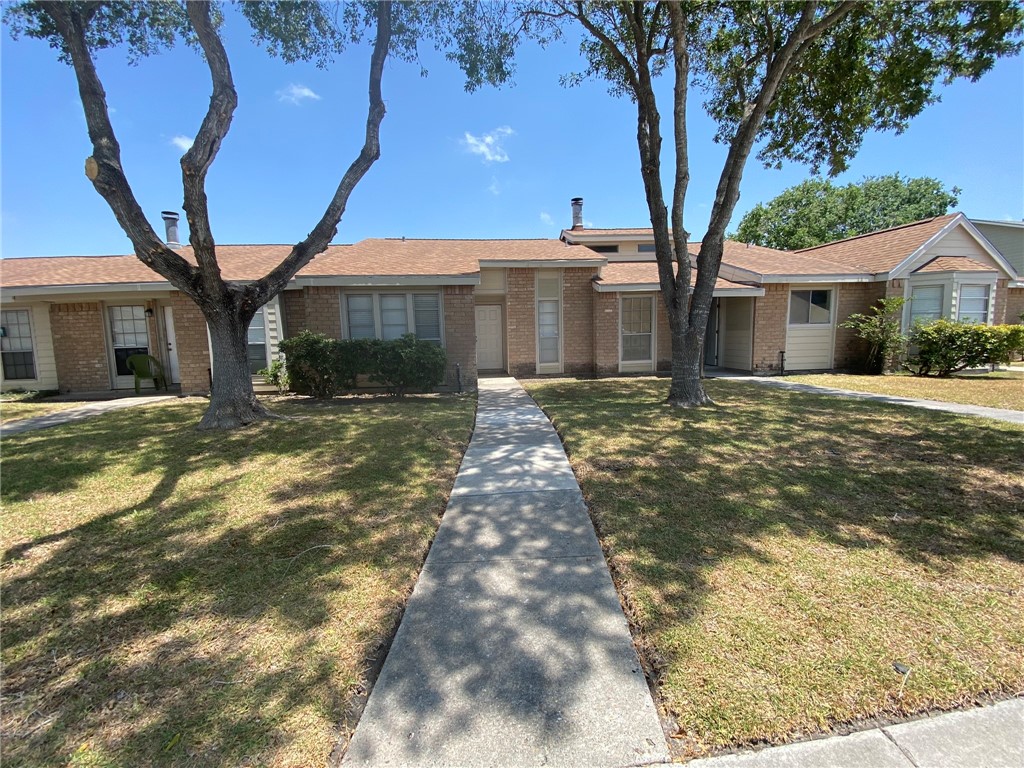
x,y
779,552
1002,389
182,598
17,406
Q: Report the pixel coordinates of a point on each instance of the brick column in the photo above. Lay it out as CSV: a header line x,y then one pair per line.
x,y
578,320
852,298
521,322
293,306
79,349
606,333
999,315
770,327
192,343
460,334
323,310
1014,305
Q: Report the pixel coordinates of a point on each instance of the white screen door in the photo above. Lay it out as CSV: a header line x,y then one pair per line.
x,y
129,335
488,338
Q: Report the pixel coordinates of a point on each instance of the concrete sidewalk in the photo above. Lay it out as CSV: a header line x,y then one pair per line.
x,y
1000,414
513,650
989,737
77,414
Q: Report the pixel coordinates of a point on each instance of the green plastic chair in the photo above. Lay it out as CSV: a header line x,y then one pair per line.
x,y
146,367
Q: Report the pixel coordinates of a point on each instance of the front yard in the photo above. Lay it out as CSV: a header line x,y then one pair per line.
x,y
183,598
1002,389
779,553
17,406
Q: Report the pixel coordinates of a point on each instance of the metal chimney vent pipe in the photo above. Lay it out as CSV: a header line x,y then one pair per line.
x,y
577,213
171,223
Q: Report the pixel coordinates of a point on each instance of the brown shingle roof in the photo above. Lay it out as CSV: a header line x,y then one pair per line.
x,y
881,251
954,264
367,258
769,261
646,273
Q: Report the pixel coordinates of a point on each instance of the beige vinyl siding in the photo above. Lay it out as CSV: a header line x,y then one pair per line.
x,y
958,242
491,281
737,336
809,348
274,323
42,350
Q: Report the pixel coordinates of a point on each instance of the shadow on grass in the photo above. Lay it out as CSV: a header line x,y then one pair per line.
x,y
679,494
224,584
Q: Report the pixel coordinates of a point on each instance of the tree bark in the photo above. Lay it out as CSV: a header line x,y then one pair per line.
x,y
687,387
233,402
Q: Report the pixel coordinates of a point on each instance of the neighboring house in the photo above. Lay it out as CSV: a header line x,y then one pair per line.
x,y
586,304
1008,239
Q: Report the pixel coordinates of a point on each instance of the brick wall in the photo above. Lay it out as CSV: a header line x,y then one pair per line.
x,y
293,307
1014,305
79,348
770,327
606,333
192,342
460,334
578,320
850,349
322,310
522,323
894,289
999,315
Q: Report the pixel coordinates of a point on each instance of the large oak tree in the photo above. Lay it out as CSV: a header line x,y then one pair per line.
x,y
291,30
799,81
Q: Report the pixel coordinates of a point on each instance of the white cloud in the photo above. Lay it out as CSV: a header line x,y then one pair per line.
x,y
494,187
184,143
546,219
296,94
489,145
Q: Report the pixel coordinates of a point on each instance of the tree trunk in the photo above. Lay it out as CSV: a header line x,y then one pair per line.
x,y
233,402
687,387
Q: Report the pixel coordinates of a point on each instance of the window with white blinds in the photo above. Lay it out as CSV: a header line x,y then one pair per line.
x,y
392,315
549,317
973,305
925,303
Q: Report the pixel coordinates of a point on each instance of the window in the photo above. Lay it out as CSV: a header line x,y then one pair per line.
x,y
645,248
392,315
549,317
393,321
810,307
257,345
604,248
925,303
973,307
16,345
636,328
129,334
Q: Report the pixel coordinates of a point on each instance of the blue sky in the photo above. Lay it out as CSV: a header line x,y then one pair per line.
x,y
496,163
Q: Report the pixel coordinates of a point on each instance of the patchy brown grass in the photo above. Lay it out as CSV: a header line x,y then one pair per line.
x,y
779,552
1002,389
183,598
15,407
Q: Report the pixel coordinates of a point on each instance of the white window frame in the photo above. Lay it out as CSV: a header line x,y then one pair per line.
x,y
943,301
629,366
410,311
32,341
832,300
261,312
989,291
555,367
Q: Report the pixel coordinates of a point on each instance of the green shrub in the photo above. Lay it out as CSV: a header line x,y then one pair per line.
x,y
942,347
277,374
409,364
1004,343
314,365
881,331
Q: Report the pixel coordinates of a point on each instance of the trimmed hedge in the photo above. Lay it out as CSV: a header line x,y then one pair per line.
x,y
324,367
943,347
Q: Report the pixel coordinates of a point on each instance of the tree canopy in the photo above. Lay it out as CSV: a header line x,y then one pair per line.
x,y
817,211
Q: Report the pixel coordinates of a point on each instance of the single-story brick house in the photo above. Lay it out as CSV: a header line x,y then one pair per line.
x,y
584,304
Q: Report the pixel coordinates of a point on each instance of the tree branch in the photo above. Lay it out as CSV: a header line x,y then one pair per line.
x,y
681,67
580,15
103,168
196,162
317,240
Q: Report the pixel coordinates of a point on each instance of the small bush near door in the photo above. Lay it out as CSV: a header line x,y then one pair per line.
x,y
323,367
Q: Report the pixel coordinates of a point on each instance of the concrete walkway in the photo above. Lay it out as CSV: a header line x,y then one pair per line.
x,y
1000,414
77,414
513,650
992,737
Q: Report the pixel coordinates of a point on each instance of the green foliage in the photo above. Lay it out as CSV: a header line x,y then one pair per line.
x,y
323,367
277,374
407,363
942,347
881,330
1005,342
817,211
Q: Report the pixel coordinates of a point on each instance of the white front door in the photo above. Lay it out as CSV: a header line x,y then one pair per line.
x,y
488,338
129,335
173,372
